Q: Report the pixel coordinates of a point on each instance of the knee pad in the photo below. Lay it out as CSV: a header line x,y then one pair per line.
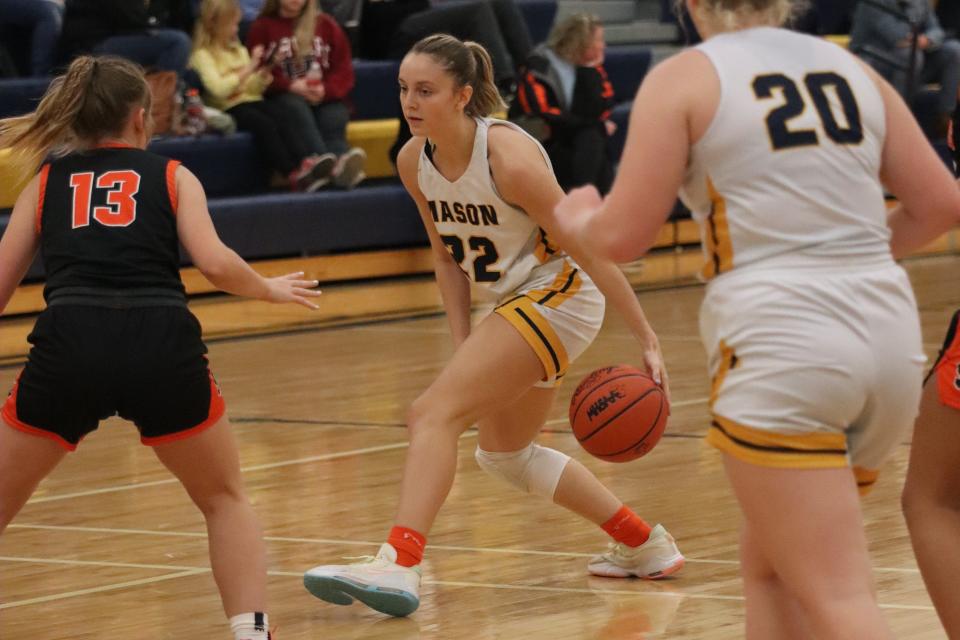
x,y
533,469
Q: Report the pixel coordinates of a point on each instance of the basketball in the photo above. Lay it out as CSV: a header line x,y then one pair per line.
x,y
618,413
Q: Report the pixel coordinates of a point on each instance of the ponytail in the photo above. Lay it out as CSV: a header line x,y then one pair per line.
x,y
469,64
731,15
485,99
89,102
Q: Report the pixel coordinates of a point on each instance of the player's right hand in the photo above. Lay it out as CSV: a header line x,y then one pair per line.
x,y
292,288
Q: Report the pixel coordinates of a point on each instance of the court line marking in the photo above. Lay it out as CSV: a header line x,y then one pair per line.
x,y
247,420
107,587
194,571
258,467
445,332
367,543
673,405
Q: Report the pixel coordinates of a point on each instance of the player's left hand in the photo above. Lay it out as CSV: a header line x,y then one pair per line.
x,y
653,361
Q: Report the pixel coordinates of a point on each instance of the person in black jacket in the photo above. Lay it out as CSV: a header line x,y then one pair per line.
x,y
564,100
153,33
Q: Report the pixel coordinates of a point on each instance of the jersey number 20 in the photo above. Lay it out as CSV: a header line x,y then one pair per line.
x,y
122,188
817,84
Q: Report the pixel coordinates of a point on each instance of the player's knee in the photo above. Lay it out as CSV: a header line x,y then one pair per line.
x,y
218,497
921,503
533,469
425,417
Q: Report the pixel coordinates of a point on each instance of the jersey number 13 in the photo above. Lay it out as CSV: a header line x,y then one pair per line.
x,y
122,188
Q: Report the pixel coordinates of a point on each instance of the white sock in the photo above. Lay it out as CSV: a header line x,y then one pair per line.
x,y
249,626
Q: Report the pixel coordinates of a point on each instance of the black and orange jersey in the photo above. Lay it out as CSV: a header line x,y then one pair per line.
x,y
539,94
107,221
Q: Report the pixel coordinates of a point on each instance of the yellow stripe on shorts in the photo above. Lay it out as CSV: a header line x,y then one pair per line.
x,y
866,478
728,361
539,334
564,286
766,448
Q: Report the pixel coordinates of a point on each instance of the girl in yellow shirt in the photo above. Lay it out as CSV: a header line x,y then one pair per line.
x,y
234,80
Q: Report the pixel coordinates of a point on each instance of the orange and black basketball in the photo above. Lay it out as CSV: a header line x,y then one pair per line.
x,y
618,413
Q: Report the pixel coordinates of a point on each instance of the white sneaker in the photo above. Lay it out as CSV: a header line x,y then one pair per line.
x,y
380,583
656,558
348,172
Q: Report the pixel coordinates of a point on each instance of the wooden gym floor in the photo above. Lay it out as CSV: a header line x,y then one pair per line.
x,y
110,546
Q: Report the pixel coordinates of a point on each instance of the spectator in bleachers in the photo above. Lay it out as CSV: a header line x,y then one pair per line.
x,y
234,81
388,28
43,19
152,33
884,40
309,57
564,99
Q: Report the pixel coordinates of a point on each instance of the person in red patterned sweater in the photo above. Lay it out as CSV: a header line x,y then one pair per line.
x,y
309,57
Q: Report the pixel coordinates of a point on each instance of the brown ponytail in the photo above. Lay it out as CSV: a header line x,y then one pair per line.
x,y
485,99
91,101
469,64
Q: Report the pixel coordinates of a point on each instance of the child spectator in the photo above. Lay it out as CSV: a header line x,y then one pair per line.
x,y
234,81
309,56
564,100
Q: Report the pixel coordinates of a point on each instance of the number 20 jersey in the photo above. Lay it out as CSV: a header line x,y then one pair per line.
x,y
107,220
787,174
497,245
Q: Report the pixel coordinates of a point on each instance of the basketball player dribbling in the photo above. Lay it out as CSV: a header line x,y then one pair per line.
x,y
931,495
116,336
483,188
778,143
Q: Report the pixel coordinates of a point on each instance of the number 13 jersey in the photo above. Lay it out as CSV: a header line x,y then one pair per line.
x,y
495,243
107,220
787,174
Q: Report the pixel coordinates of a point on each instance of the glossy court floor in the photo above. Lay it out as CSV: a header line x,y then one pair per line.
x,y
110,546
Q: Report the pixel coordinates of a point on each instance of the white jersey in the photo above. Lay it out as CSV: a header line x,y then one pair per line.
x,y
787,174
496,244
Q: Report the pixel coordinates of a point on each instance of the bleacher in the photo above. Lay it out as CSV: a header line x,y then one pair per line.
x,y
262,224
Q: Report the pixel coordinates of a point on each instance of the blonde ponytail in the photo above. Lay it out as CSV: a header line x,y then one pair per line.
x,y
88,103
731,15
485,99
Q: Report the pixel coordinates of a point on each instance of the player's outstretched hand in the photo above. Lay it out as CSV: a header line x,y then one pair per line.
x,y
653,361
292,288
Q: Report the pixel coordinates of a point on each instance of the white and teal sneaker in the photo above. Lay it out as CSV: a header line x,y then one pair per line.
x,y
656,558
378,582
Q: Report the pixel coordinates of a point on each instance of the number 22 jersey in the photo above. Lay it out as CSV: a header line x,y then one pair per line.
x,y
497,245
787,174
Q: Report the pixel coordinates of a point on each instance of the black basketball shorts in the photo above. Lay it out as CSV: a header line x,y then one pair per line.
x,y
87,363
